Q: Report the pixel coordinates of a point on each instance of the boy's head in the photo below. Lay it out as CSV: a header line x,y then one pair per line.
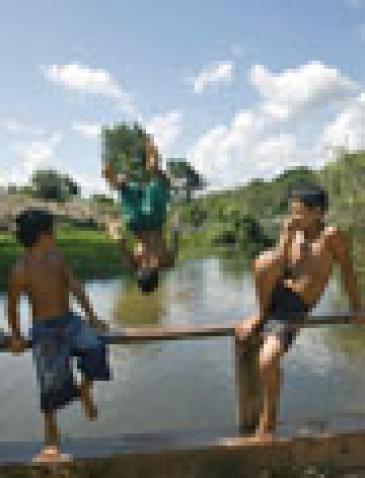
x,y
309,203
147,280
33,225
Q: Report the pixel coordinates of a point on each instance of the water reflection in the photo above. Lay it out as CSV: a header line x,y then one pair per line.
x,y
190,384
133,309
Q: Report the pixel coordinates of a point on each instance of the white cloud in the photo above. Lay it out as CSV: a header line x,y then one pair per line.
x,y
246,148
264,140
11,125
36,154
87,130
165,129
90,183
93,81
345,131
213,74
300,90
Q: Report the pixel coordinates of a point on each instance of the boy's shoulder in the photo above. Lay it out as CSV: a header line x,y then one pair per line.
x,y
332,231
337,241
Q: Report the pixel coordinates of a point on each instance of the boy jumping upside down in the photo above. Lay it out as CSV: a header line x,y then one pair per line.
x,y
290,279
144,207
58,334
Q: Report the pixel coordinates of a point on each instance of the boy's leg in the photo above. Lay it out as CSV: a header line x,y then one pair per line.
x,y
51,356
267,271
270,372
87,399
50,451
145,252
92,362
50,429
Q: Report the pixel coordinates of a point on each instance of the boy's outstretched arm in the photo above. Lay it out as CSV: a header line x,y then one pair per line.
x,y
16,285
78,290
343,256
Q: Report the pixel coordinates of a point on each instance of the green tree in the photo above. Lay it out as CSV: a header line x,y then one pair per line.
x,y
184,177
123,146
102,199
49,184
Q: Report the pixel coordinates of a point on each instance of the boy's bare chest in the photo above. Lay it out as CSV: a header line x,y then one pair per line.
x,y
309,252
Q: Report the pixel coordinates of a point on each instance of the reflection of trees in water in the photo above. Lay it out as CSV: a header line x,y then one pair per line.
x,y
347,339
134,309
235,266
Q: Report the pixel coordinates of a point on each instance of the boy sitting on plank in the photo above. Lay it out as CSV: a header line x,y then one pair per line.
x,y
290,279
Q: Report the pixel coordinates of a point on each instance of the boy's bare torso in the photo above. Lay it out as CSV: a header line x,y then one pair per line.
x,y
44,281
312,264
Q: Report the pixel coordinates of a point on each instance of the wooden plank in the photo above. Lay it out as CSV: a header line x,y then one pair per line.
x,y
138,335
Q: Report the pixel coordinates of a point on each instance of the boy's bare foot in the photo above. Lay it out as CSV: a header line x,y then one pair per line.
x,y
264,434
51,454
265,431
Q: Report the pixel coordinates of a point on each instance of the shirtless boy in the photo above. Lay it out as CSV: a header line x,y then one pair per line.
x,y
290,279
57,334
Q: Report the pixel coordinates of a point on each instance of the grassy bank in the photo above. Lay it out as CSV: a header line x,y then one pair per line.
x,y
91,253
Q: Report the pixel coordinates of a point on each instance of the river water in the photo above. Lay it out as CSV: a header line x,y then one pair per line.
x,y
190,385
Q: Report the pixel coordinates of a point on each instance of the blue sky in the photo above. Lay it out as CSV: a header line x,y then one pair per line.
x,y
242,88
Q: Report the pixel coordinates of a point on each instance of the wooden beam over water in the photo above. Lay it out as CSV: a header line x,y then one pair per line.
x,y
132,335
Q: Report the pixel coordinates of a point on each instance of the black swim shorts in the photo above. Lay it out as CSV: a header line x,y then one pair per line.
x,y
285,311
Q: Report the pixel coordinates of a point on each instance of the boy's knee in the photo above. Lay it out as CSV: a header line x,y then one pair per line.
x,y
265,263
270,362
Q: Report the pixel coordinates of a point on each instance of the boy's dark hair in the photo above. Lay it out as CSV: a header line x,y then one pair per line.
x,y
147,280
310,194
31,224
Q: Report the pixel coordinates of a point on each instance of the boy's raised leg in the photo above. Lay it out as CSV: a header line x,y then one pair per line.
x,y
87,400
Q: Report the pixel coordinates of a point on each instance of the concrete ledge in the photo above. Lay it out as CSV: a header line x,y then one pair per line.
x,y
228,457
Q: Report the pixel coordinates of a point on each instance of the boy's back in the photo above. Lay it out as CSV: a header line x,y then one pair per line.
x,y
44,279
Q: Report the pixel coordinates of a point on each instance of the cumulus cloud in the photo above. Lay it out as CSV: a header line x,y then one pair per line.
x,y
165,129
246,148
263,141
37,153
213,74
300,90
93,81
345,131
87,130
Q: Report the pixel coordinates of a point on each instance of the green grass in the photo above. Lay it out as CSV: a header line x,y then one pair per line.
x,y
91,254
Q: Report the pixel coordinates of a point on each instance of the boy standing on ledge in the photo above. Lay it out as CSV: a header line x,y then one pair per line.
x,y
57,334
290,279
